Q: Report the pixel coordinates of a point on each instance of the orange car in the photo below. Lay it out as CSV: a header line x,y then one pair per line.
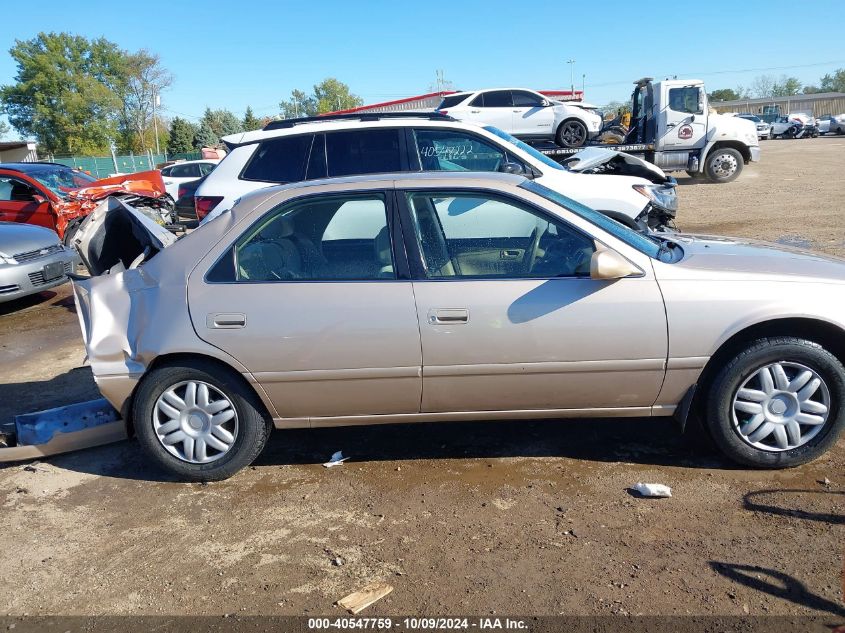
x,y
59,197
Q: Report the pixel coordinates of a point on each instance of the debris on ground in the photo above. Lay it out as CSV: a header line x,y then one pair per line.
x,y
825,482
336,460
363,598
652,490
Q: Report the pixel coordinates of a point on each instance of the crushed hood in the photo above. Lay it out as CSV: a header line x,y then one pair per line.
x,y
593,159
115,237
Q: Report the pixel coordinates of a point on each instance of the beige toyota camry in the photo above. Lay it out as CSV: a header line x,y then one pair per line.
x,y
406,298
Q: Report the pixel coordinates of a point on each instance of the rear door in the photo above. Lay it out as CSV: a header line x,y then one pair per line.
x,y
494,107
313,301
18,203
530,116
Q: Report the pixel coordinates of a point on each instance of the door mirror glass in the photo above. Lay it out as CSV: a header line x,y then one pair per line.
x,y
511,168
608,264
39,199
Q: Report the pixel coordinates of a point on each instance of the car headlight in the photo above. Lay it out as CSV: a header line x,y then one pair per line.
x,y
663,196
6,259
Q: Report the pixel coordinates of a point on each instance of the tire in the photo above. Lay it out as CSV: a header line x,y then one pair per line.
x,y
723,164
244,420
571,133
695,175
761,447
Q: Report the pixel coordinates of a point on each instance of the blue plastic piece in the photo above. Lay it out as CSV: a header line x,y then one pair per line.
x,y
39,427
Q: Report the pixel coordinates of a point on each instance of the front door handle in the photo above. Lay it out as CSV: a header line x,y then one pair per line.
x,y
225,320
671,124
448,316
475,111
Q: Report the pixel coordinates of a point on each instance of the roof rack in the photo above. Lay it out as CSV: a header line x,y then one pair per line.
x,y
360,116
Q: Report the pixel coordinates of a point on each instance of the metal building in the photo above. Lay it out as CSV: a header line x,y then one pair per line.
x,y
818,104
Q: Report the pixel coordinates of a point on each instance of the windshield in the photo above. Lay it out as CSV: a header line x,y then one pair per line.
x,y
59,179
639,241
525,147
750,117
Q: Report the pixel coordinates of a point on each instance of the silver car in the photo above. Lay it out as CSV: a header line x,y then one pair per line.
x,y
32,259
452,296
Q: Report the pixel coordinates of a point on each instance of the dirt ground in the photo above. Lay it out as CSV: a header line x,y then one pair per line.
x,y
491,518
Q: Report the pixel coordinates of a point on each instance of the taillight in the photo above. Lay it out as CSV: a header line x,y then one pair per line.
x,y
182,192
204,205
443,111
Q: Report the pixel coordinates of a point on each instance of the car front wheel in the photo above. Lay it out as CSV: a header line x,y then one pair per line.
x,y
198,421
777,403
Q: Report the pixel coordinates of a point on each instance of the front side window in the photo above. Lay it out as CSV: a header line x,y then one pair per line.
x,y
498,99
279,160
481,235
371,151
14,190
331,237
445,150
525,99
685,100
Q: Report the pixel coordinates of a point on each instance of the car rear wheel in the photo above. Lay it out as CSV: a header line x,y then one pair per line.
x,y
198,421
723,164
571,133
777,403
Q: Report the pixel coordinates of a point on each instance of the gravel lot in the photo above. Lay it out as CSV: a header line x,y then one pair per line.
x,y
505,518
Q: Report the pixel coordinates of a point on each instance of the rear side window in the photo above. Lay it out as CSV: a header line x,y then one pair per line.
x,y
451,102
498,99
279,160
372,151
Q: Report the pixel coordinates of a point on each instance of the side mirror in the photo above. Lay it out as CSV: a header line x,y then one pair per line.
x,y
608,264
39,199
509,167
545,103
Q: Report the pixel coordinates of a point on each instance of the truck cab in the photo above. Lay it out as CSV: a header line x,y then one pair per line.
x,y
674,116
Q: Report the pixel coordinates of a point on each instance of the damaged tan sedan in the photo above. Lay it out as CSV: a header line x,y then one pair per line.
x,y
407,298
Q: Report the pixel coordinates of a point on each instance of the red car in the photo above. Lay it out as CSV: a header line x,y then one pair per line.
x,y
59,197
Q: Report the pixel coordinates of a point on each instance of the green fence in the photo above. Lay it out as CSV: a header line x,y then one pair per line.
x,y
104,166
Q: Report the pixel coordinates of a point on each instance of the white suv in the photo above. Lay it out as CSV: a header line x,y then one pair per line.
x,y
526,114
293,150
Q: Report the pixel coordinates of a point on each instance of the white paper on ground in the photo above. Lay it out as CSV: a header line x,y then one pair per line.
x,y
336,460
653,490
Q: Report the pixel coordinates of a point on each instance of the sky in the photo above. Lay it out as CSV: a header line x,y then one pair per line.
x,y
233,54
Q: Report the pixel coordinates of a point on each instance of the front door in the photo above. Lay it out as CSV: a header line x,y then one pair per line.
x,y
511,320
18,203
309,301
682,122
531,117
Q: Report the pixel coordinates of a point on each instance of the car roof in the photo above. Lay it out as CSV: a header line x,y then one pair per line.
x,y
348,123
28,167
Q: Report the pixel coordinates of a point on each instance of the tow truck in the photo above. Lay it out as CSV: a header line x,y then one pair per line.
x,y
672,127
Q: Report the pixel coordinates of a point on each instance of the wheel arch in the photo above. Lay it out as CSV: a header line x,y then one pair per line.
x,y
181,359
827,334
742,148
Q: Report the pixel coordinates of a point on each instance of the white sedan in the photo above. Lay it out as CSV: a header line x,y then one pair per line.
x,y
526,114
185,171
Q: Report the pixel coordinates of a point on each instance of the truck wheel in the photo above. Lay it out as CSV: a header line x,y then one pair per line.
x,y
723,164
777,403
571,133
198,421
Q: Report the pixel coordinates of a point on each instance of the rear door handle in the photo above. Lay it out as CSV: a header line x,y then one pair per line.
x,y
448,316
475,111
225,320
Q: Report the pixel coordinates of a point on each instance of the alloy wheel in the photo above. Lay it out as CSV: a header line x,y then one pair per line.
x,y
781,406
195,422
573,134
724,165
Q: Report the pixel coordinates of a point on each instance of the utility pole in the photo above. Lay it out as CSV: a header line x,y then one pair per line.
x,y
571,63
156,102
583,83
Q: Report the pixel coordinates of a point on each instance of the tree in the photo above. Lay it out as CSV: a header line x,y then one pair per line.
x,y
4,129
215,124
64,92
331,94
182,135
142,80
809,90
786,87
251,122
205,136
762,86
724,94
299,105
834,82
